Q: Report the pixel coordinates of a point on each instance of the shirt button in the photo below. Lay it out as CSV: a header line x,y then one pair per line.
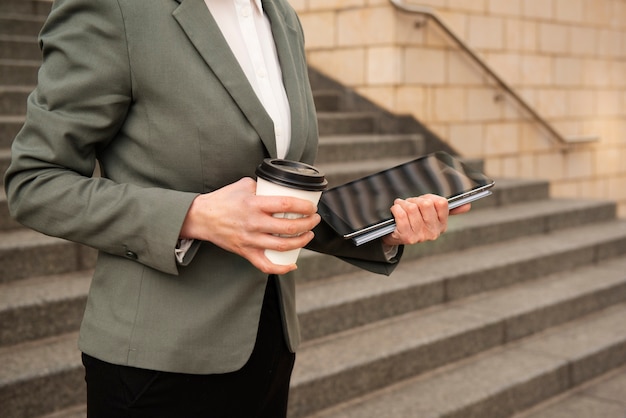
x,y
246,11
261,73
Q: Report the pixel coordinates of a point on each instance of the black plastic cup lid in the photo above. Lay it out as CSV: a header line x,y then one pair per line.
x,y
292,174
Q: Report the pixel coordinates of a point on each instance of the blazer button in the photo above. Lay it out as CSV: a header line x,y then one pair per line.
x,y
131,255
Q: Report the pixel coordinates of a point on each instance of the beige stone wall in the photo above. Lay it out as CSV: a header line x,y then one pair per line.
x,y
566,58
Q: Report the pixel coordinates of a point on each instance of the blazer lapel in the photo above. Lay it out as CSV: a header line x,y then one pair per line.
x,y
204,33
284,35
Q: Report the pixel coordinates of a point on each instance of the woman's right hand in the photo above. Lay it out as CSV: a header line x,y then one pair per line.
x,y
237,220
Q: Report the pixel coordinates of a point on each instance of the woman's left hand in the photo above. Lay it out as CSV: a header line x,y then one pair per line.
x,y
420,219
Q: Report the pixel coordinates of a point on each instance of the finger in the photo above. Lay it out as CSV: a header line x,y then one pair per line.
x,y
411,227
432,225
422,216
261,262
438,204
401,221
256,254
432,220
285,204
281,243
287,226
442,207
401,217
439,224
461,209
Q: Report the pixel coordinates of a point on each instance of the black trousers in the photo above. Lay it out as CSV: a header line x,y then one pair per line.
x,y
260,389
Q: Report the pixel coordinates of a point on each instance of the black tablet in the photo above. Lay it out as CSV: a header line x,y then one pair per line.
x,y
360,210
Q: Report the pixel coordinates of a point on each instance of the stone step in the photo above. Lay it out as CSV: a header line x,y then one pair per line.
x,y
9,127
342,302
474,324
338,99
20,24
494,384
42,307
482,227
79,411
40,377
507,191
13,99
603,397
26,7
322,302
347,123
331,306
600,398
496,224
19,47
6,222
18,72
345,148
5,161
327,100
25,253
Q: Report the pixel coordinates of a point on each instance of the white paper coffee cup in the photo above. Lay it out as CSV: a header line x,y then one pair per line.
x,y
277,177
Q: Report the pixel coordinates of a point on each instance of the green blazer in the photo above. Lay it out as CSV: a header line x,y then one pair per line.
x,y
150,90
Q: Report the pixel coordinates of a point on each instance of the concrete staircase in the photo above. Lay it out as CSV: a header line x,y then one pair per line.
x,y
518,310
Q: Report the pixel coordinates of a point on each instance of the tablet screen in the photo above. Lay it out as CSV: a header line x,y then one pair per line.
x,y
364,203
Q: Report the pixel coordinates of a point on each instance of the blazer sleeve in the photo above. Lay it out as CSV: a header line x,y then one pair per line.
x,y
83,95
369,256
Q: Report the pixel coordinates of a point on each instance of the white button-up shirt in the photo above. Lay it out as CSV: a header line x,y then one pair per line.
x,y
249,35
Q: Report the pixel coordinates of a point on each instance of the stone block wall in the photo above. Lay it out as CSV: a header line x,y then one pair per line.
x,y
566,58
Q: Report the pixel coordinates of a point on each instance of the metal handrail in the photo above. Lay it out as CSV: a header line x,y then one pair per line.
x,y
429,13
